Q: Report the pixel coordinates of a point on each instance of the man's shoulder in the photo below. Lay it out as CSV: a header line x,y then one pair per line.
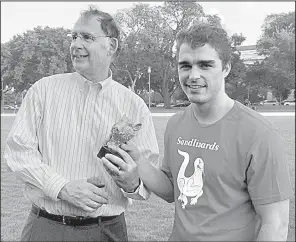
x,y
60,77
56,79
251,120
48,82
120,86
126,92
176,118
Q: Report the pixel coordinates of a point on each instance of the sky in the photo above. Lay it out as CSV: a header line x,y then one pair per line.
x,y
238,17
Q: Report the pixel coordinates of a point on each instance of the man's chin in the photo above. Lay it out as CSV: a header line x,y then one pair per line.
x,y
198,100
79,68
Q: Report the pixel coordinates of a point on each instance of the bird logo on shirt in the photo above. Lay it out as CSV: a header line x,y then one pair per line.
x,y
190,186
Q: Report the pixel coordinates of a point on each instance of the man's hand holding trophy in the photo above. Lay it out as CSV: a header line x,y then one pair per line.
x,y
117,162
121,132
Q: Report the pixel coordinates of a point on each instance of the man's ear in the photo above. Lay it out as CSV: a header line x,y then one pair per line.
x,y
226,70
113,45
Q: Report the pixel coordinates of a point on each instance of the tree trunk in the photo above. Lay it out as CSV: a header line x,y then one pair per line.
x,y
2,103
133,84
131,80
165,86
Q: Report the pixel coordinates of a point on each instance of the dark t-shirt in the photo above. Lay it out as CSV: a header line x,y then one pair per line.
x,y
219,171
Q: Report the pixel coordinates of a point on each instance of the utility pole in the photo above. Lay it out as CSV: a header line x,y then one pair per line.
x,y
149,72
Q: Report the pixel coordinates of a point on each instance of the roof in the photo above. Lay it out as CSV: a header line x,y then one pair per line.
x,y
246,47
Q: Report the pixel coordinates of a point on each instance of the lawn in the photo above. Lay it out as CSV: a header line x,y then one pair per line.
x,y
150,220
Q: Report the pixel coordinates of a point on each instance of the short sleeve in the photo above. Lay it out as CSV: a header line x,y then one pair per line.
x,y
268,173
164,163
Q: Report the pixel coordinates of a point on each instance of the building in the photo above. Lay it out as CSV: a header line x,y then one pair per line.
x,y
291,95
249,54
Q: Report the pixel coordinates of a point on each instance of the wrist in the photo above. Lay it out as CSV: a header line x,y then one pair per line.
x,y
62,192
134,187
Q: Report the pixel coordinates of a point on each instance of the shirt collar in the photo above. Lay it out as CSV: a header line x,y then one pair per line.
x,y
102,84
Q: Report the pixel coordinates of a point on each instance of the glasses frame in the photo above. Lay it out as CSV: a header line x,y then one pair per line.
x,y
93,39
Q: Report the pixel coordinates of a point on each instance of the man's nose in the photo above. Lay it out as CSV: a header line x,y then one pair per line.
x,y
195,73
77,43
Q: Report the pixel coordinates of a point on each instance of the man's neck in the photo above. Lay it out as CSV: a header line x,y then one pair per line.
x,y
210,113
98,77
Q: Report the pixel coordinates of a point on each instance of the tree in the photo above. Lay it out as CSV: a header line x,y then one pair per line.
x,y
149,39
235,82
277,43
135,57
34,54
255,80
150,34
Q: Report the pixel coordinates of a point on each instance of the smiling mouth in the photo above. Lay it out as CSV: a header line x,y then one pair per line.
x,y
196,86
80,56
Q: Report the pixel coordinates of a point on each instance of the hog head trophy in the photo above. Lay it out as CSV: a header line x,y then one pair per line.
x,y
121,132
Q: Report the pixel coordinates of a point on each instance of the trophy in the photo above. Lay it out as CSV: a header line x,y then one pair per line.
x,y
121,132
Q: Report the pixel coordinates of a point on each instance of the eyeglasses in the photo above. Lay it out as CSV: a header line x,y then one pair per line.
x,y
86,37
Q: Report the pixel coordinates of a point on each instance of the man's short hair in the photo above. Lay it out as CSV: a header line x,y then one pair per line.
x,y
204,33
108,24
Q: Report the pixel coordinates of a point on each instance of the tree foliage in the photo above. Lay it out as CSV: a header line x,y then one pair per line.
x,y
149,40
36,53
277,43
236,77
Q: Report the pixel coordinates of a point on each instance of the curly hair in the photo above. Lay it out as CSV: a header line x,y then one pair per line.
x,y
204,33
108,24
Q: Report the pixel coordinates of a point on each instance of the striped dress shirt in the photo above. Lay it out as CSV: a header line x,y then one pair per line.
x,y
60,127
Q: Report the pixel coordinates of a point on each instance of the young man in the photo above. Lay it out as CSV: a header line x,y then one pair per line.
x,y
63,122
224,165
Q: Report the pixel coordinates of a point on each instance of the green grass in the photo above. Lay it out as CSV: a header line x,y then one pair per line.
x,y
178,109
150,220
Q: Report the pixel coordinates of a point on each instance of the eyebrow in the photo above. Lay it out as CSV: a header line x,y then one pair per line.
x,y
82,33
199,62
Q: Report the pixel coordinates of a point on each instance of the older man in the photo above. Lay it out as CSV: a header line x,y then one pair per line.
x,y
63,122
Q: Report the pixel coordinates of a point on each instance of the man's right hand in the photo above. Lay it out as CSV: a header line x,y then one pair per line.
x,y
132,150
87,195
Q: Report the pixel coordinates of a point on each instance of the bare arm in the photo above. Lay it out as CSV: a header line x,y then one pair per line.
x,y
153,178
274,221
156,180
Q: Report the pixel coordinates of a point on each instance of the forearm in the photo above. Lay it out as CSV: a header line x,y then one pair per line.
x,y
271,232
156,181
26,163
141,192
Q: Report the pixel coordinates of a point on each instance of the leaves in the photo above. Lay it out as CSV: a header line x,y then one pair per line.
x,y
148,41
34,54
277,43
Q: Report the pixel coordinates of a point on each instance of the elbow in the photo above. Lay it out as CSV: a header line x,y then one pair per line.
x,y
283,229
277,228
169,200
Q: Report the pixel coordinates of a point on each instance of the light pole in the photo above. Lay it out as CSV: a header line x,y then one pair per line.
x,y
2,99
149,72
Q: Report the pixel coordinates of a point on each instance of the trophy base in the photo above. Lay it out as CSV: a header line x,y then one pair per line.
x,y
105,150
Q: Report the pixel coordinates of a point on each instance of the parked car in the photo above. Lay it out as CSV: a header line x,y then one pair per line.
x,y
257,104
182,104
289,103
9,107
270,103
151,104
160,105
